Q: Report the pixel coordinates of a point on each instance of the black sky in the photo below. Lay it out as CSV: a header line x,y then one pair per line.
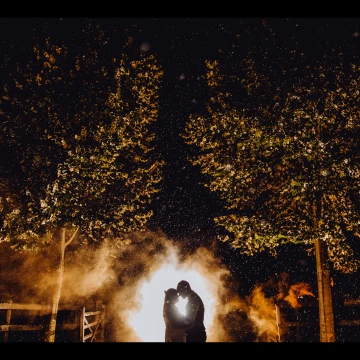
x,y
184,209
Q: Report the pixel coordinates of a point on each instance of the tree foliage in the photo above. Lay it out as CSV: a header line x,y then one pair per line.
x,y
283,152
77,139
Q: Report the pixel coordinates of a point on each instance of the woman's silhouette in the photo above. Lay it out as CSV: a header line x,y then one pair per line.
x,y
174,320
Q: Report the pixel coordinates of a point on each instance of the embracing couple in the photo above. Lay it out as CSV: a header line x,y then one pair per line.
x,y
184,328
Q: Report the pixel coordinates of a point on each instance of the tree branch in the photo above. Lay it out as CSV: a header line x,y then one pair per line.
x,y
72,237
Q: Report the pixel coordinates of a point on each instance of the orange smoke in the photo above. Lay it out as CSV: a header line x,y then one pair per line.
x,y
262,312
130,280
295,292
140,311
265,300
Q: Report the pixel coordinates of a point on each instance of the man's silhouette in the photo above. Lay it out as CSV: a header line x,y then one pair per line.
x,y
194,313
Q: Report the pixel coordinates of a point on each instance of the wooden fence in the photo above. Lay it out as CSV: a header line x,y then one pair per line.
x,y
89,326
300,323
85,326
92,325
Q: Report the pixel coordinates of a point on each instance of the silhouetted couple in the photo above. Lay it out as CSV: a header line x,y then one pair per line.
x,y
184,328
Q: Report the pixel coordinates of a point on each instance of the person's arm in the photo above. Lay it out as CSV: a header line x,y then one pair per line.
x,y
176,319
191,310
182,323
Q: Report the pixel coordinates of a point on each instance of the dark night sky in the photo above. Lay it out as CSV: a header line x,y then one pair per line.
x,y
184,209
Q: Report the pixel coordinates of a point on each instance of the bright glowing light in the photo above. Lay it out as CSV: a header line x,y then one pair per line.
x,y
148,322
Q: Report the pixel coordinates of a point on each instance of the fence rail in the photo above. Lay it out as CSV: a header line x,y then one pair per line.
x,y
316,323
298,324
94,327
89,325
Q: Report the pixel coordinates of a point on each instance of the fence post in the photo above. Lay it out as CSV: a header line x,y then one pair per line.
x,y
278,320
100,319
82,320
298,329
103,324
8,320
76,332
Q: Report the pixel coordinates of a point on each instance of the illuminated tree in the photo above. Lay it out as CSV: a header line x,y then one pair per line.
x,y
77,132
286,162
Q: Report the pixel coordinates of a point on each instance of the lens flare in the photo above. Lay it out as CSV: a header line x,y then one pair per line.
x,y
148,322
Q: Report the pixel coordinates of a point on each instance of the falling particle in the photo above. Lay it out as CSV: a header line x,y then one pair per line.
x,y
193,101
182,77
198,78
356,34
145,47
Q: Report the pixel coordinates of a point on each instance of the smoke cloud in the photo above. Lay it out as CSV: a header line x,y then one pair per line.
x,y
119,276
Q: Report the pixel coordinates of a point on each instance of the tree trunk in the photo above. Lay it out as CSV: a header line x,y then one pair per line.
x,y
326,316
50,333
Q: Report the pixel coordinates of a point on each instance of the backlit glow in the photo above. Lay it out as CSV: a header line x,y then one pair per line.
x,y
148,322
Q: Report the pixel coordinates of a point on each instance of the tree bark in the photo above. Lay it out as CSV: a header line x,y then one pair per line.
x,y
326,316
50,333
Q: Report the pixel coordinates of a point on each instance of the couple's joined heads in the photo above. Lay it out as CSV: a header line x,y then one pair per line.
x,y
183,289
